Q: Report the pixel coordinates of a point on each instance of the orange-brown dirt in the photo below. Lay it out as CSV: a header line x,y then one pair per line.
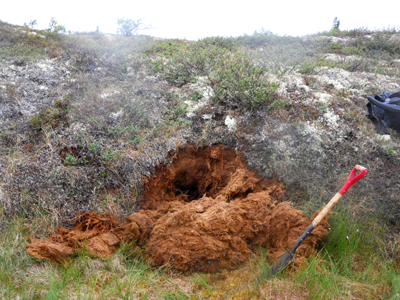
x,y
204,212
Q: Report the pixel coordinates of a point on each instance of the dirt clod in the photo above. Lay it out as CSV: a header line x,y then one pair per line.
x,y
204,212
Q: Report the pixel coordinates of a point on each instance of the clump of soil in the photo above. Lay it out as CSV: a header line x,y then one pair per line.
x,y
204,212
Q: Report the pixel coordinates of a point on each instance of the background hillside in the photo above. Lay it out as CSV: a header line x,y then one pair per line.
x,y
85,118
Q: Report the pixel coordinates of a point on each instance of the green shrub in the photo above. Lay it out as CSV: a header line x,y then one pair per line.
x,y
239,83
108,154
378,46
257,39
24,45
236,79
52,117
222,42
93,147
335,48
307,67
70,160
191,61
166,48
350,50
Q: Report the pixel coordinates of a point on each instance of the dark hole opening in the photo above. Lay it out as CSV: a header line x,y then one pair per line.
x,y
191,191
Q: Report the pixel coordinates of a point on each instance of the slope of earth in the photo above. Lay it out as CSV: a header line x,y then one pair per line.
x,y
86,119
83,122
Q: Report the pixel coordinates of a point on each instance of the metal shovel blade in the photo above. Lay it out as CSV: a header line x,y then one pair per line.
x,y
286,259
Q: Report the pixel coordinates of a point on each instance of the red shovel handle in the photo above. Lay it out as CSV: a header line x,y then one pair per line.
x,y
353,178
349,182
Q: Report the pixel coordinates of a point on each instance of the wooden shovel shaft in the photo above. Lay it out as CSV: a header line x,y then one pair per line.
x,y
326,209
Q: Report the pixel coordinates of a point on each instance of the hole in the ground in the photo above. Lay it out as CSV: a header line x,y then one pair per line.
x,y
204,212
191,192
186,185
193,174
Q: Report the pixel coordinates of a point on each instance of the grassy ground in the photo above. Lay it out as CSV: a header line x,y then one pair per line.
x,y
351,264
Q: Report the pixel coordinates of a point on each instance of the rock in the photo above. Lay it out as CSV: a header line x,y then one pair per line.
x,y
395,38
337,40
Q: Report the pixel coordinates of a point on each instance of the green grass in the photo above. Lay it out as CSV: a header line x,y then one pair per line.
x,y
125,276
351,263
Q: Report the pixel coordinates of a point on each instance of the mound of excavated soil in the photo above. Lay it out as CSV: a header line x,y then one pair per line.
x,y
202,213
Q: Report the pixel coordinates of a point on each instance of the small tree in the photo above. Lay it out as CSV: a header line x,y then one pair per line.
x,y
130,27
336,24
31,24
55,27
263,32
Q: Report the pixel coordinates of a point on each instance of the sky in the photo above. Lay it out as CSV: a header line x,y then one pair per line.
x,y
198,19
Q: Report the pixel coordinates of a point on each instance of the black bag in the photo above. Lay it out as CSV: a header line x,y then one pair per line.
x,y
384,111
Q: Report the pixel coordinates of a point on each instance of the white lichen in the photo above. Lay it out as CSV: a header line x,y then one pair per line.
x,y
295,80
383,137
45,65
203,88
323,97
331,119
78,128
231,123
117,114
106,95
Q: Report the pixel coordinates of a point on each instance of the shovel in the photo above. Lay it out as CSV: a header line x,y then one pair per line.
x,y
288,256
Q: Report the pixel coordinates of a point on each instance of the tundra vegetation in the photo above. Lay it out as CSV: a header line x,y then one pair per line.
x,y
85,117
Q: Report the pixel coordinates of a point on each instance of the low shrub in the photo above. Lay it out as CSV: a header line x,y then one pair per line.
x,y
257,39
219,41
236,78
53,117
190,61
239,83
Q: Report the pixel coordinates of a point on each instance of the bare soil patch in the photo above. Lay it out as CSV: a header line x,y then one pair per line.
x,y
202,212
